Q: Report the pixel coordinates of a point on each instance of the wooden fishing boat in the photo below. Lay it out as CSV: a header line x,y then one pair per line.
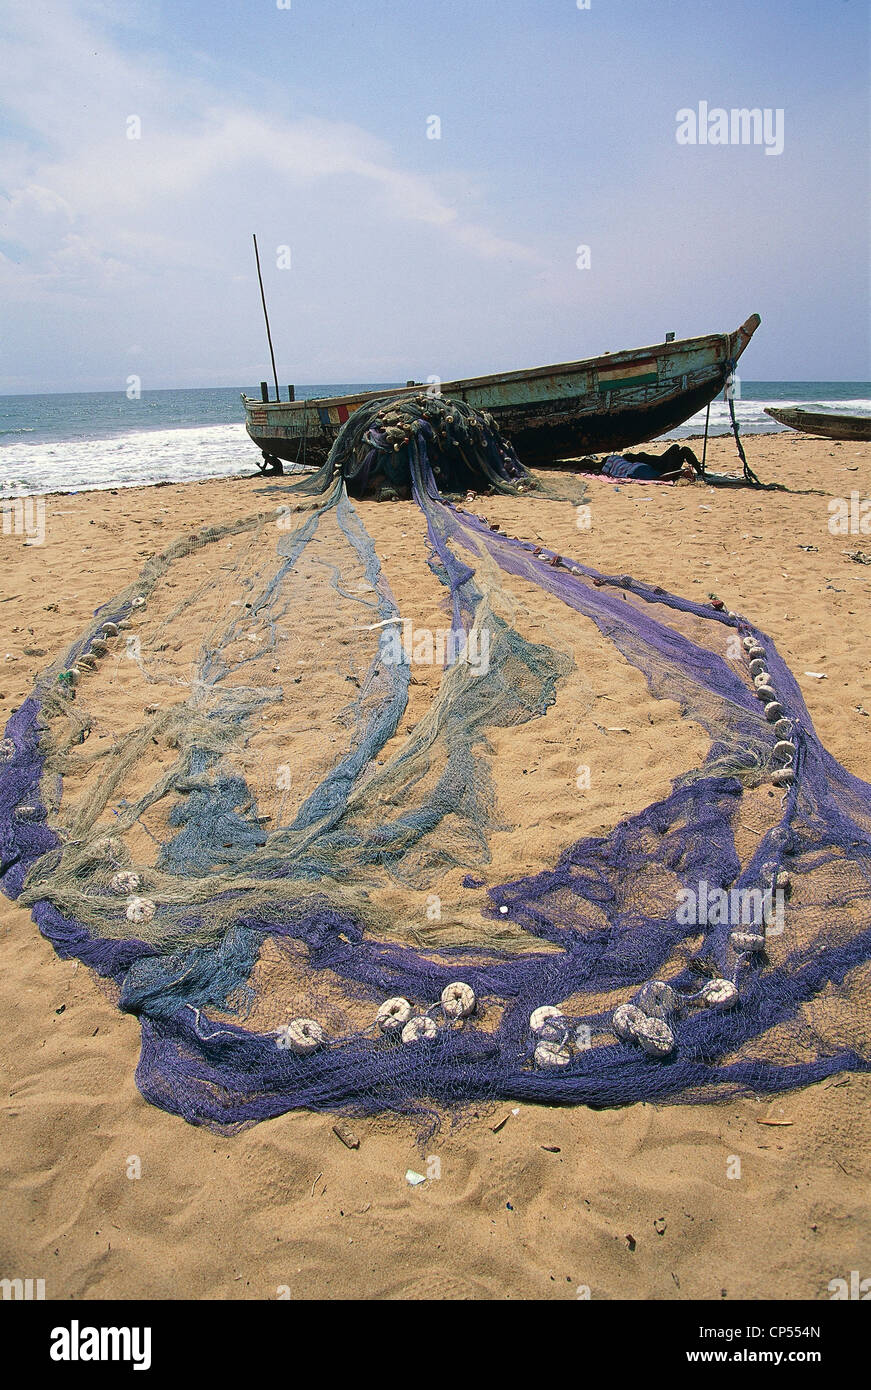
x,y
564,411
826,424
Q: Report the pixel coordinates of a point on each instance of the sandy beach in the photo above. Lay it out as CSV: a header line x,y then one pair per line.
x,y
519,1202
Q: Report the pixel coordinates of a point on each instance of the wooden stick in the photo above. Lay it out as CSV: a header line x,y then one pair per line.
x,y
705,448
266,316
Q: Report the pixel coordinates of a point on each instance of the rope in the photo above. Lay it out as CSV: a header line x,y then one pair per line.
x,y
749,475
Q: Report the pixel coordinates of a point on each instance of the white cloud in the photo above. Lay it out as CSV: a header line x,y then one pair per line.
x,y
93,203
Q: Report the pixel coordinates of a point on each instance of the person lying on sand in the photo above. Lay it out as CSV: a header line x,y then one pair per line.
x,y
678,461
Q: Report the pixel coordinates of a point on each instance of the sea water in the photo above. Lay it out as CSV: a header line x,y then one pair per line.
x,y
73,442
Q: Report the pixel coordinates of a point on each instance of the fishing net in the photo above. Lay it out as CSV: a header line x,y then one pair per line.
x,y
264,807
373,451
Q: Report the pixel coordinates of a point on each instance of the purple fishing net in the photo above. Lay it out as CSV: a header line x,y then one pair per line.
x,y
718,942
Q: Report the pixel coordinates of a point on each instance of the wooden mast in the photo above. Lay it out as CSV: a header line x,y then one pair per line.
x,y
266,317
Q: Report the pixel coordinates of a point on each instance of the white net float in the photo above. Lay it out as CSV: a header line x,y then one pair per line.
x,y
747,941
458,1000
544,1020
773,711
783,748
124,882
422,1029
654,1036
107,847
719,995
783,777
656,999
301,1035
765,693
140,910
551,1054
394,1013
624,1021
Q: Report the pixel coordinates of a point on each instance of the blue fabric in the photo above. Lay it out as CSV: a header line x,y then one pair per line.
x,y
618,467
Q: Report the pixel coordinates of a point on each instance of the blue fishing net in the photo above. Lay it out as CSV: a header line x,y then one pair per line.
x,y
231,796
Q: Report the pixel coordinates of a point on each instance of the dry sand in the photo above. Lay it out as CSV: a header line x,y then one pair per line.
x,y
633,1203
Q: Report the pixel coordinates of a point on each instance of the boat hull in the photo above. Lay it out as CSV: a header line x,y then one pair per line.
x,y
601,404
825,426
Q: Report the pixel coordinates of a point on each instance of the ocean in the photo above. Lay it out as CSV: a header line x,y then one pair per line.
x,y
97,440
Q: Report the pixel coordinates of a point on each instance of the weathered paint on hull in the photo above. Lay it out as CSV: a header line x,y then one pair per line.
x,y
574,432
564,411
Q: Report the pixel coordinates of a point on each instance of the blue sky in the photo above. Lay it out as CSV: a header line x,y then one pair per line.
x,y
412,256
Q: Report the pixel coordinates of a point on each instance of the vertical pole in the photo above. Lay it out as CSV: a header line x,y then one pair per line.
x,y
705,448
266,316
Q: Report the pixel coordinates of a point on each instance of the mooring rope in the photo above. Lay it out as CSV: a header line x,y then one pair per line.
x,y
748,471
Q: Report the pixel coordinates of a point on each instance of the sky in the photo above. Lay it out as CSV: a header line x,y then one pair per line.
x,y
309,122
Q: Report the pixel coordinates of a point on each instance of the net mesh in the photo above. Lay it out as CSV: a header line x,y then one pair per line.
x,y
262,805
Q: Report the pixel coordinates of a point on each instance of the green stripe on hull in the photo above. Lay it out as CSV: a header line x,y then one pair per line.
x,y
617,383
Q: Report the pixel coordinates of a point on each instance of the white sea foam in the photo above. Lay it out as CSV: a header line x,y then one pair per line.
x,y
135,459
139,458
753,420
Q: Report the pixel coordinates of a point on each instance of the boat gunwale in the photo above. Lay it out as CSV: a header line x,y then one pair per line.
x,y
579,367
829,415
568,410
